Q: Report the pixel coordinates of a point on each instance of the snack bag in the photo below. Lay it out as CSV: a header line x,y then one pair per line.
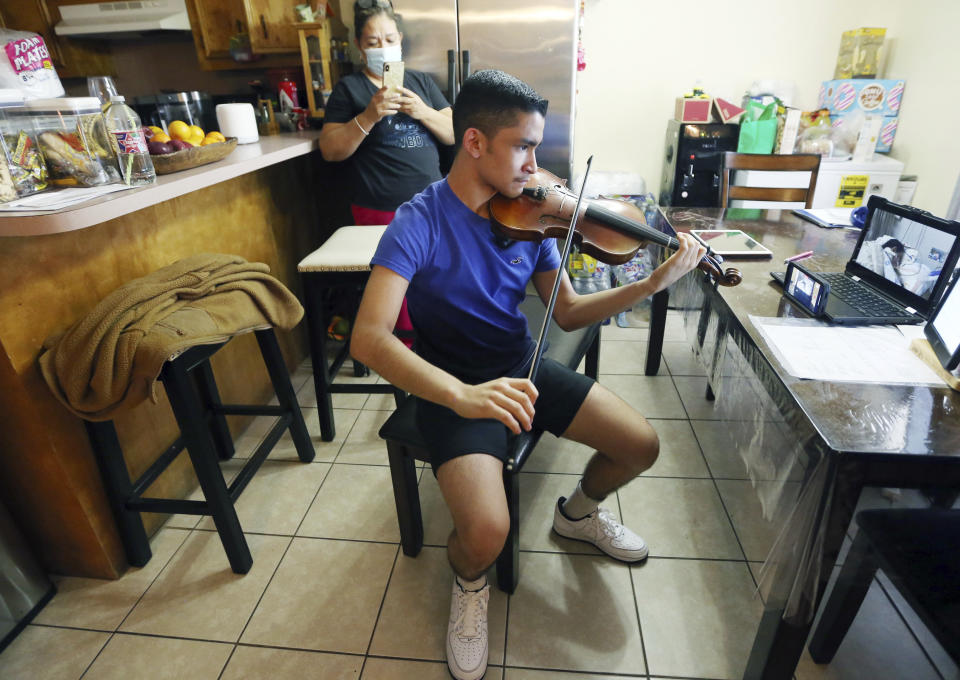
x,y
25,65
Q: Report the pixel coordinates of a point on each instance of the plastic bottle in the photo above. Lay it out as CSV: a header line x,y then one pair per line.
x,y
130,143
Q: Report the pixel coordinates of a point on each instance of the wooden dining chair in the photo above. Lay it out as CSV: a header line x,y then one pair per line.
x,y
768,162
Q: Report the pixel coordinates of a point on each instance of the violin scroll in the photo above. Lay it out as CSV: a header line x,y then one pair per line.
x,y
725,277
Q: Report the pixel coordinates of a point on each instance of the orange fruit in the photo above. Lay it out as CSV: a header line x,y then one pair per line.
x,y
160,137
179,130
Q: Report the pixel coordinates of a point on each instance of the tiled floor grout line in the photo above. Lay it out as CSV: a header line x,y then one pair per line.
x,y
383,599
906,623
188,532
636,605
716,487
253,611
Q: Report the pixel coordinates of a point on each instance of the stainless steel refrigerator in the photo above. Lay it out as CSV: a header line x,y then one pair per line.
x,y
536,42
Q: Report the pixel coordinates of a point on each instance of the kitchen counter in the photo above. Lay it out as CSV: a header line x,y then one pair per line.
x,y
265,202
244,159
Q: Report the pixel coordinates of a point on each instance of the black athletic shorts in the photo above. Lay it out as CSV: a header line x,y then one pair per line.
x,y
448,435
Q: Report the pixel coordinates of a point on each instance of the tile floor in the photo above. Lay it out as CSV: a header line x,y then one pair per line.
x,y
331,595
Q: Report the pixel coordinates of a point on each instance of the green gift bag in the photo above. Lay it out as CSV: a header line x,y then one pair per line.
x,y
758,128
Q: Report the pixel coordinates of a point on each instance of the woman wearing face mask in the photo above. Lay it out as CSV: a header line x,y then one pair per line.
x,y
390,138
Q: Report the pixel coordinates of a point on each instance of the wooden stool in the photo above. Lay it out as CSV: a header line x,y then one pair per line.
x,y
405,445
192,391
340,266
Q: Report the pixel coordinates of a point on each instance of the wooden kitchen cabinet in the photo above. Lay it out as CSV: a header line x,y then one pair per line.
x,y
218,21
72,57
214,22
270,23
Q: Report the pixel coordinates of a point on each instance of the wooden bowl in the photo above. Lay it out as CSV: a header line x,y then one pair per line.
x,y
191,158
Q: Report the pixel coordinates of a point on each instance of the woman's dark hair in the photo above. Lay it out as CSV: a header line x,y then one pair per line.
x,y
364,10
895,245
491,100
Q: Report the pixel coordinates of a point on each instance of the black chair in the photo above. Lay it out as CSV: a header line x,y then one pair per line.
x,y
405,446
919,550
192,392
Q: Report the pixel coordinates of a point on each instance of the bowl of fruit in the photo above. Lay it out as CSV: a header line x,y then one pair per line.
x,y
185,146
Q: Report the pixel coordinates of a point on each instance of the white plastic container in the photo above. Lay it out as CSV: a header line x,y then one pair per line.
x,y
238,120
73,139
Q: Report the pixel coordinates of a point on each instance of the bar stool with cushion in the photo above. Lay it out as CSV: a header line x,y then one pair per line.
x,y
405,446
340,267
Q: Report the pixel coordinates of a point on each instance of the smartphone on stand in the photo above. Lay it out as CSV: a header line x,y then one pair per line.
x,y
805,288
393,76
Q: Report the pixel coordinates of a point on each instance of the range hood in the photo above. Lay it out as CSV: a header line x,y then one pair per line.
x,y
122,19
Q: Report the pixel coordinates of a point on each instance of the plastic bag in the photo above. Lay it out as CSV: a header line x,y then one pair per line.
x,y
25,65
758,128
816,133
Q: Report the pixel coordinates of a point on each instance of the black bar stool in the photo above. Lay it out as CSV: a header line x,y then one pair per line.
x,y
192,391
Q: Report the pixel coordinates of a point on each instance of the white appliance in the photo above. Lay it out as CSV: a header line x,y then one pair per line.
x,y
848,184
840,183
123,18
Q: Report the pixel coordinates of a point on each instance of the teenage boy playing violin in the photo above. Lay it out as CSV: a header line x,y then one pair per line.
x,y
463,288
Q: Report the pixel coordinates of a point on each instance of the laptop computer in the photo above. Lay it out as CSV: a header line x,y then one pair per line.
x,y
899,268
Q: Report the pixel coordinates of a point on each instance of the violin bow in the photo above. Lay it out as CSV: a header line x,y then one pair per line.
x,y
567,244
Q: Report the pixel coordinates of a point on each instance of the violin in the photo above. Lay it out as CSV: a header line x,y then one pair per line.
x,y
612,231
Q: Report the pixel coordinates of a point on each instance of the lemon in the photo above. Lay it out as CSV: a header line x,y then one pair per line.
x,y
179,130
214,137
196,131
160,137
156,130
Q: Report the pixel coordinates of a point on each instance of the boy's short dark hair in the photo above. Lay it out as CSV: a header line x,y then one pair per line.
x,y
490,100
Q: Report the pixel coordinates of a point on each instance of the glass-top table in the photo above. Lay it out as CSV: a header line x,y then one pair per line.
x,y
809,447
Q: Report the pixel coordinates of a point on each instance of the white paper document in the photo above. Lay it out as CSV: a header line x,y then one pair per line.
x,y
874,354
60,198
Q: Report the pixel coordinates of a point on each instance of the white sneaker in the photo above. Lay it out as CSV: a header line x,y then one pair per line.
x,y
603,530
467,633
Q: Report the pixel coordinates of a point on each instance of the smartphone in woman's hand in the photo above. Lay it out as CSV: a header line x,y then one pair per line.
x,y
393,76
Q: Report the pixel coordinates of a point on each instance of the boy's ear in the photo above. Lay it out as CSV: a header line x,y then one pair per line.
x,y
474,142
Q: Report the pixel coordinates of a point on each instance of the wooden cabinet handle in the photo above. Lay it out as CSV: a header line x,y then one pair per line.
x,y
263,25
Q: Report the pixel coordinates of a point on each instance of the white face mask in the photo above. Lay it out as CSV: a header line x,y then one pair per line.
x,y
378,56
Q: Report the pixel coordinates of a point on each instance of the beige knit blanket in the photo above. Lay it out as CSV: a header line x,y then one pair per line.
x,y
110,359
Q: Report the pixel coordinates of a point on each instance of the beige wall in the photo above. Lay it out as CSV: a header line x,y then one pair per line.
x,y
641,55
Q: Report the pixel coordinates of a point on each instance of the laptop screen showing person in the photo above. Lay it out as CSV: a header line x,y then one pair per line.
x,y
904,252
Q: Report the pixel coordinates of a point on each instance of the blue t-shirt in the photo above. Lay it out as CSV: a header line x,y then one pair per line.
x,y
465,290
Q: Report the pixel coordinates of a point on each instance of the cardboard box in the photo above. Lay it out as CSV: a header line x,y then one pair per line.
x,y
693,109
728,112
787,134
875,97
888,130
861,53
